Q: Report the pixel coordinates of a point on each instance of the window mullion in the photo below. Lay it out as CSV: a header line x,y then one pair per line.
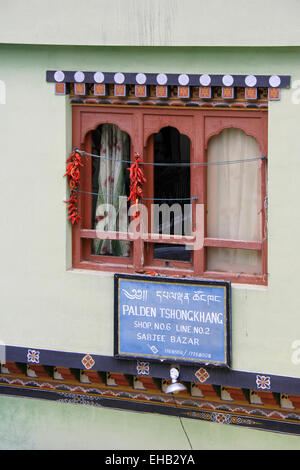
x,y
138,147
198,184
264,216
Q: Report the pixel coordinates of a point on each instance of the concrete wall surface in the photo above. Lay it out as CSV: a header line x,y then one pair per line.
x,y
151,22
44,304
31,424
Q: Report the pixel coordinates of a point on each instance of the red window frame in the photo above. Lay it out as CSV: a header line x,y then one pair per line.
x,y
141,123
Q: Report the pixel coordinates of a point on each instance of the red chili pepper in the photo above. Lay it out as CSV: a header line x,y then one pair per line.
x,y
137,179
73,173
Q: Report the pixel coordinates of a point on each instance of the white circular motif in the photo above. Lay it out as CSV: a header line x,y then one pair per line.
x,y
183,79
141,78
227,80
119,78
79,76
250,80
98,77
161,78
274,81
205,80
59,76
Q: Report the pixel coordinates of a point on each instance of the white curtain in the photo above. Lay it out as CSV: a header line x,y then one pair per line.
x,y
111,206
233,201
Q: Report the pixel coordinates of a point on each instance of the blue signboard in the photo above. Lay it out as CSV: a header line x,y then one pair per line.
x,y
172,319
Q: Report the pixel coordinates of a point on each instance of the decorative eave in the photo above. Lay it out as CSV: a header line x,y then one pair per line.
x,y
262,401
162,85
273,81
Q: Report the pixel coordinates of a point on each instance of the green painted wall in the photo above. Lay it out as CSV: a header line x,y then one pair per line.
x,y
151,22
35,424
46,306
43,303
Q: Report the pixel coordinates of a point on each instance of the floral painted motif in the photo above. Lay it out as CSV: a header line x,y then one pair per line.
x,y
143,368
33,356
221,418
263,382
202,375
88,361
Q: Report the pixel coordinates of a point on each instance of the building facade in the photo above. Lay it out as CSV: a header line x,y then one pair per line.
x,y
154,72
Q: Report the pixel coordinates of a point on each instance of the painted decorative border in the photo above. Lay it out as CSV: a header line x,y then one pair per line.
x,y
164,79
261,401
189,373
268,420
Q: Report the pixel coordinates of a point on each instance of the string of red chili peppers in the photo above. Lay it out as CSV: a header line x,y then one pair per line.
x,y
73,173
137,179
74,163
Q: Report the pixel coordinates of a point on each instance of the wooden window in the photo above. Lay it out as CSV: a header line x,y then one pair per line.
x,y
188,156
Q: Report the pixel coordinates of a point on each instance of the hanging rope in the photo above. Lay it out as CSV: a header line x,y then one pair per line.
x,y
137,179
180,164
144,198
73,173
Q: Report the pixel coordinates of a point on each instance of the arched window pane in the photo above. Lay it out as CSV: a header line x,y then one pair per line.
x,y
110,187
233,190
172,181
233,200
